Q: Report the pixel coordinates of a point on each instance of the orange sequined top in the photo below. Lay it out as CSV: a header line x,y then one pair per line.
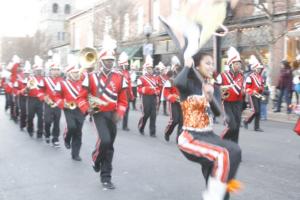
x,y
196,114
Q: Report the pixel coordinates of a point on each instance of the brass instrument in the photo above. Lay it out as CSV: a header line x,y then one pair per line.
x,y
70,105
49,101
32,84
224,91
95,102
87,58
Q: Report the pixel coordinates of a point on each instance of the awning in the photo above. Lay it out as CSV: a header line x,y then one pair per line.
x,y
134,51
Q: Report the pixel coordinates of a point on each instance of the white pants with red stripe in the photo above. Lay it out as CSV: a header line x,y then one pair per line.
x,y
219,158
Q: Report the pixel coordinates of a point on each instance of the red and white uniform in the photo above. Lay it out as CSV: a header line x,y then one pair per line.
x,y
111,89
148,85
171,93
254,83
37,92
20,85
69,91
128,82
236,91
52,88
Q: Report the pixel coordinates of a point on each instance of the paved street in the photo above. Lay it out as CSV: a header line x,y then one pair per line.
x,y
144,168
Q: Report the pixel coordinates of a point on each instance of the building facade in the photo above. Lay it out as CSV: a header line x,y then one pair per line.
x,y
266,28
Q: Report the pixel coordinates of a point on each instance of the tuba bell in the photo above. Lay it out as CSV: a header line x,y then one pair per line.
x,y
88,57
71,105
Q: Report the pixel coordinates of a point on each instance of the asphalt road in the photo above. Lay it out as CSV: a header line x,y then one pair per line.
x,y
144,168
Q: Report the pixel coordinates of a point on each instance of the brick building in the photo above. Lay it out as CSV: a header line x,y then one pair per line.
x,y
267,28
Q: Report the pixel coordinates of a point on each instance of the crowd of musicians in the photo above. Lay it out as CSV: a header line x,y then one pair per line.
x,y
102,88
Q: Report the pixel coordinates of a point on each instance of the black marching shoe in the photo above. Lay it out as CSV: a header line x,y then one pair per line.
x,y
56,144
126,129
258,130
47,139
96,167
76,158
108,185
167,137
153,135
141,132
67,145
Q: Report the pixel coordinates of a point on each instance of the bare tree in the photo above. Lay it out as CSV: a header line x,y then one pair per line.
x,y
270,25
25,47
109,19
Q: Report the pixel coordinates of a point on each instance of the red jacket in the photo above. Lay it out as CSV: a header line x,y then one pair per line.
x,y
69,91
7,86
254,83
36,92
20,85
126,75
52,89
110,89
171,93
148,85
236,91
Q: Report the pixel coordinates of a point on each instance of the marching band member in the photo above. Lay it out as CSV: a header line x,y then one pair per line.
x,y
171,94
133,78
7,86
161,79
219,158
15,70
52,98
70,89
104,95
35,96
124,67
254,88
231,85
149,90
23,94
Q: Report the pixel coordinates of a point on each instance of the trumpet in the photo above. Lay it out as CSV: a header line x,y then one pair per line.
x,y
32,84
95,102
70,105
224,91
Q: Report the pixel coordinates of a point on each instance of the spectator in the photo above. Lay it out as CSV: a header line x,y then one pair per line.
x,y
285,85
264,102
296,78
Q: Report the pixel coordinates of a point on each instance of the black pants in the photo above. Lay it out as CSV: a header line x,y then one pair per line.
x,y
14,108
52,115
149,103
73,134
134,90
35,106
233,111
255,107
208,149
23,111
8,101
104,151
125,119
175,119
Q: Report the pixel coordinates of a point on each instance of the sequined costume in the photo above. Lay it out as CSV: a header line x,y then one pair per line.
x,y
219,158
